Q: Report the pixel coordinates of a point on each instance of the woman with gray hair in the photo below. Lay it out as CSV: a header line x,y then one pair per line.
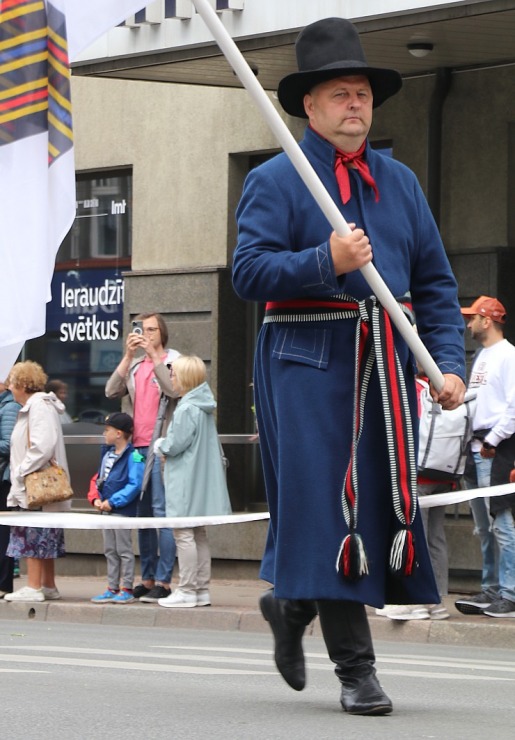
x,y
37,438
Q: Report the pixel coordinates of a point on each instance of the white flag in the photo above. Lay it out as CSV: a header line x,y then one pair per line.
x,y
37,171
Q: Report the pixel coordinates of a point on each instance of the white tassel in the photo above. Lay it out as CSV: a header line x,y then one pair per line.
x,y
397,550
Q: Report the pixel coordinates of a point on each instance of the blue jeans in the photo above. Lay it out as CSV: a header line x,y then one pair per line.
x,y
156,546
504,531
483,527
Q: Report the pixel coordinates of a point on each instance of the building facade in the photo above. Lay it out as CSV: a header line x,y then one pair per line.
x,y
165,135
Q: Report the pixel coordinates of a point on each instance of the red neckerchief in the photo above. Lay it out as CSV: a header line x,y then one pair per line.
x,y
344,160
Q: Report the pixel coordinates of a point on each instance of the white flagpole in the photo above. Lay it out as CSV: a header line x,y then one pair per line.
x,y
313,183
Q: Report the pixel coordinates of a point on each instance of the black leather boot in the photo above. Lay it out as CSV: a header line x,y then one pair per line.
x,y
288,619
349,643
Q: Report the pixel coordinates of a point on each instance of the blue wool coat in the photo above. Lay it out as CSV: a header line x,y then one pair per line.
x,y
304,374
194,476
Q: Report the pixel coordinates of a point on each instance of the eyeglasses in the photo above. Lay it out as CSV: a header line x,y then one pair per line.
x,y
150,329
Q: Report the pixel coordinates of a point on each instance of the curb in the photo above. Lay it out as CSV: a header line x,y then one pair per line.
x,y
458,630
480,631
135,615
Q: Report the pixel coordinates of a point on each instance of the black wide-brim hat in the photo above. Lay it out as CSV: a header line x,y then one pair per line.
x,y
327,49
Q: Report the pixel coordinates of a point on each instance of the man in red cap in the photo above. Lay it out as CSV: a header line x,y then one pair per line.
x,y
493,452
486,307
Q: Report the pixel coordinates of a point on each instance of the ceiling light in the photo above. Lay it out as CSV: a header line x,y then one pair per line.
x,y
420,49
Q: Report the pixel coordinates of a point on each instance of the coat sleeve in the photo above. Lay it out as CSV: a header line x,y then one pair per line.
x,y
43,433
268,264
93,493
181,432
116,386
132,488
164,378
9,416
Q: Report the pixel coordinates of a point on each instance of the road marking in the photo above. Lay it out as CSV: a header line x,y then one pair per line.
x,y
501,665
246,651
130,666
141,654
448,676
200,656
21,670
480,665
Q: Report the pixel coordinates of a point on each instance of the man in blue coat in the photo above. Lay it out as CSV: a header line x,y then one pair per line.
x,y
334,380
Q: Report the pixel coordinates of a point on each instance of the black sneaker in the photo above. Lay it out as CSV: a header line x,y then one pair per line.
x,y
474,604
501,608
140,590
155,593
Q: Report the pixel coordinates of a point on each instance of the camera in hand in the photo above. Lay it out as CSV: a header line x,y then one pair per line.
x,y
137,327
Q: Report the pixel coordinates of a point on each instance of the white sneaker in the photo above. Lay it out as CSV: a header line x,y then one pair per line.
x,y
405,612
50,594
383,612
25,594
438,611
179,599
203,598
389,609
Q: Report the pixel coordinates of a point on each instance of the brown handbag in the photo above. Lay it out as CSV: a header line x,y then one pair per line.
x,y
49,485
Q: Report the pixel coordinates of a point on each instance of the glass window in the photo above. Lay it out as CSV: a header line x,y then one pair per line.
x,y
102,226
84,327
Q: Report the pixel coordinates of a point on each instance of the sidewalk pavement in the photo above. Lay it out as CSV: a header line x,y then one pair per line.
x,y
235,607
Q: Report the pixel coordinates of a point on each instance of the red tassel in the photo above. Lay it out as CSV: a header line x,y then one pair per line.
x,y
410,554
352,559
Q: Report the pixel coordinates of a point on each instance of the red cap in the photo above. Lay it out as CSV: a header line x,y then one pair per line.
x,y
486,306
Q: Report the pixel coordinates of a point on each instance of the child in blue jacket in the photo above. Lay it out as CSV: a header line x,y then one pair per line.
x,y
115,490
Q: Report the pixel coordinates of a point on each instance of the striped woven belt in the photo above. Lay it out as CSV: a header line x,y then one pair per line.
x,y
374,344
335,308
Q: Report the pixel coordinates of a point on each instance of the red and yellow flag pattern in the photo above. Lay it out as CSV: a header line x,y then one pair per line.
x,y
34,75
37,168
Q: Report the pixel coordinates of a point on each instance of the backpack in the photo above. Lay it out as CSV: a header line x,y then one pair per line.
x,y
443,437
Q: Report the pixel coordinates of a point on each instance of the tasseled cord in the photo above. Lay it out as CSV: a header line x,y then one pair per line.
x,y
352,558
402,554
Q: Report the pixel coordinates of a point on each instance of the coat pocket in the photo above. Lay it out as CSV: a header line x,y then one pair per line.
x,y
306,345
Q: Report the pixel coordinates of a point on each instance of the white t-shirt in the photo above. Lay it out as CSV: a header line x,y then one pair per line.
x,y
493,379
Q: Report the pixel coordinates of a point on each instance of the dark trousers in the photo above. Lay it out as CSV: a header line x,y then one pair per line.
x,y
6,564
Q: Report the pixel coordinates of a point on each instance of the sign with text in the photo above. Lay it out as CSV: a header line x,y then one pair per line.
x,y
86,305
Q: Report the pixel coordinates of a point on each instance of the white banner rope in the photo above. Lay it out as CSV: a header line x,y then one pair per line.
x,y
80,520
457,497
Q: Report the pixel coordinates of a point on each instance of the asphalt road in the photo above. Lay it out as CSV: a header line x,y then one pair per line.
x,y
91,681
